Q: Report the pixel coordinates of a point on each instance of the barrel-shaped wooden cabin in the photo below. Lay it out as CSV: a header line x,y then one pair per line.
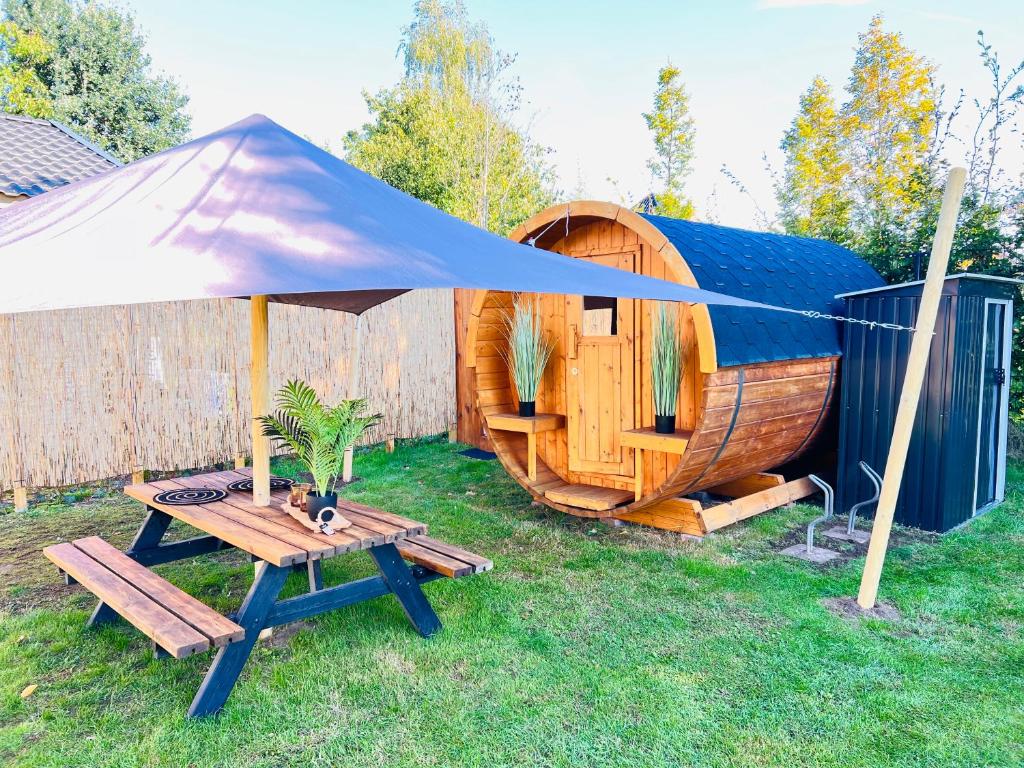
x,y
756,389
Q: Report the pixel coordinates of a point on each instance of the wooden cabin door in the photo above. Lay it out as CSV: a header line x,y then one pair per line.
x,y
599,375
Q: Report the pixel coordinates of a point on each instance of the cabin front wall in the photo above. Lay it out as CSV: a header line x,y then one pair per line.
x,y
742,419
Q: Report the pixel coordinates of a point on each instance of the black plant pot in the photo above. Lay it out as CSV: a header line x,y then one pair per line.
x,y
665,425
527,408
316,504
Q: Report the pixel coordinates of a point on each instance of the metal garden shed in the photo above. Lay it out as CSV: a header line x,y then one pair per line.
x,y
956,467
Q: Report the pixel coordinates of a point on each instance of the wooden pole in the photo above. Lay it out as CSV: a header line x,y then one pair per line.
x,y
917,364
346,466
14,455
353,385
20,497
259,374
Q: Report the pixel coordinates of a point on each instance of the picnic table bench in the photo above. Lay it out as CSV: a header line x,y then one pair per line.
x,y
180,625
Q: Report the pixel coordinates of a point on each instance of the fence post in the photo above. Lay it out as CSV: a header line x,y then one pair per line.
x,y
346,472
240,460
20,497
138,476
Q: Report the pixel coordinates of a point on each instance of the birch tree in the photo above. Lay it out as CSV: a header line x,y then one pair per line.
x,y
673,131
448,132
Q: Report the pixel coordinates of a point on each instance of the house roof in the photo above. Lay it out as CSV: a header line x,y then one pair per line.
x,y
782,270
39,155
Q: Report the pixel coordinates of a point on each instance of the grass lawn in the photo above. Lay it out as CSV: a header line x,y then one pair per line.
x,y
587,645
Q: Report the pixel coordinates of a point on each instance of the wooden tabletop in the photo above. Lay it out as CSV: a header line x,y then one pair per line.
x,y
270,533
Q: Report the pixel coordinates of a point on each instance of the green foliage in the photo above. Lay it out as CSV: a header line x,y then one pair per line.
x,y
870,174
888,122
22,92
666,361
813,195
446,132
528,351
673,128
318,435
585,646
93,65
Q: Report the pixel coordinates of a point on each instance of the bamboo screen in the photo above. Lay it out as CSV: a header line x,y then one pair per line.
x,y
88,394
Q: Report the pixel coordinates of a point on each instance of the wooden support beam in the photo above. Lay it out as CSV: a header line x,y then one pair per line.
x,y
240,461
259,374
389,444
760,481
678,515
722,515
917,364
138,476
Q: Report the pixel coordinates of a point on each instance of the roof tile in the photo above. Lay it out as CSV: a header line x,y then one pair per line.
x,y
39,155
796,272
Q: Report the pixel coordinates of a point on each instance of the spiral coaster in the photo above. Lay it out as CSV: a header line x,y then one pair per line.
x,y
276,484
184,497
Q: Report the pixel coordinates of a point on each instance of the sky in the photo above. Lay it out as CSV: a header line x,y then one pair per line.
x,y
587,70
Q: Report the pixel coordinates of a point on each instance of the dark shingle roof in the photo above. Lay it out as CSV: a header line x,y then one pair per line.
x,y
39,155
786,271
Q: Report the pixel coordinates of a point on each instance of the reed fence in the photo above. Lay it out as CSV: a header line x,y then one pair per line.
x,y
88,394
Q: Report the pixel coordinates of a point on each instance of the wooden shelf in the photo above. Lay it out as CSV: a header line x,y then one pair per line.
x,y
530,426
648,439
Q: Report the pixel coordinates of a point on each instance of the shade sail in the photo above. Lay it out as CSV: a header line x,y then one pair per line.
x,y
253,209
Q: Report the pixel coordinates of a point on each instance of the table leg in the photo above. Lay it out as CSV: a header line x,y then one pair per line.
x,y
403,584
230,659
316,575
150,532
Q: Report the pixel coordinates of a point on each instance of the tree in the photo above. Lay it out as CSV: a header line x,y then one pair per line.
x,y
673,130
22,92
813,196
446,132
888,124
98,76
995,115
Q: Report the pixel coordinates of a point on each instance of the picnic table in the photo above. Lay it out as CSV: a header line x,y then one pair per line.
x,y
180,625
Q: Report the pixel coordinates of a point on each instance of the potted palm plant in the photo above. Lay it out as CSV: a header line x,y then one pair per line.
x,y
527,355
318,435
666,369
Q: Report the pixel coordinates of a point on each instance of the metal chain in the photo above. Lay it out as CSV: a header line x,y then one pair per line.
x,y
856,321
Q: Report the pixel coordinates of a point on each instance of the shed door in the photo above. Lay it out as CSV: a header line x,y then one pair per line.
x,y
599,376
995,389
